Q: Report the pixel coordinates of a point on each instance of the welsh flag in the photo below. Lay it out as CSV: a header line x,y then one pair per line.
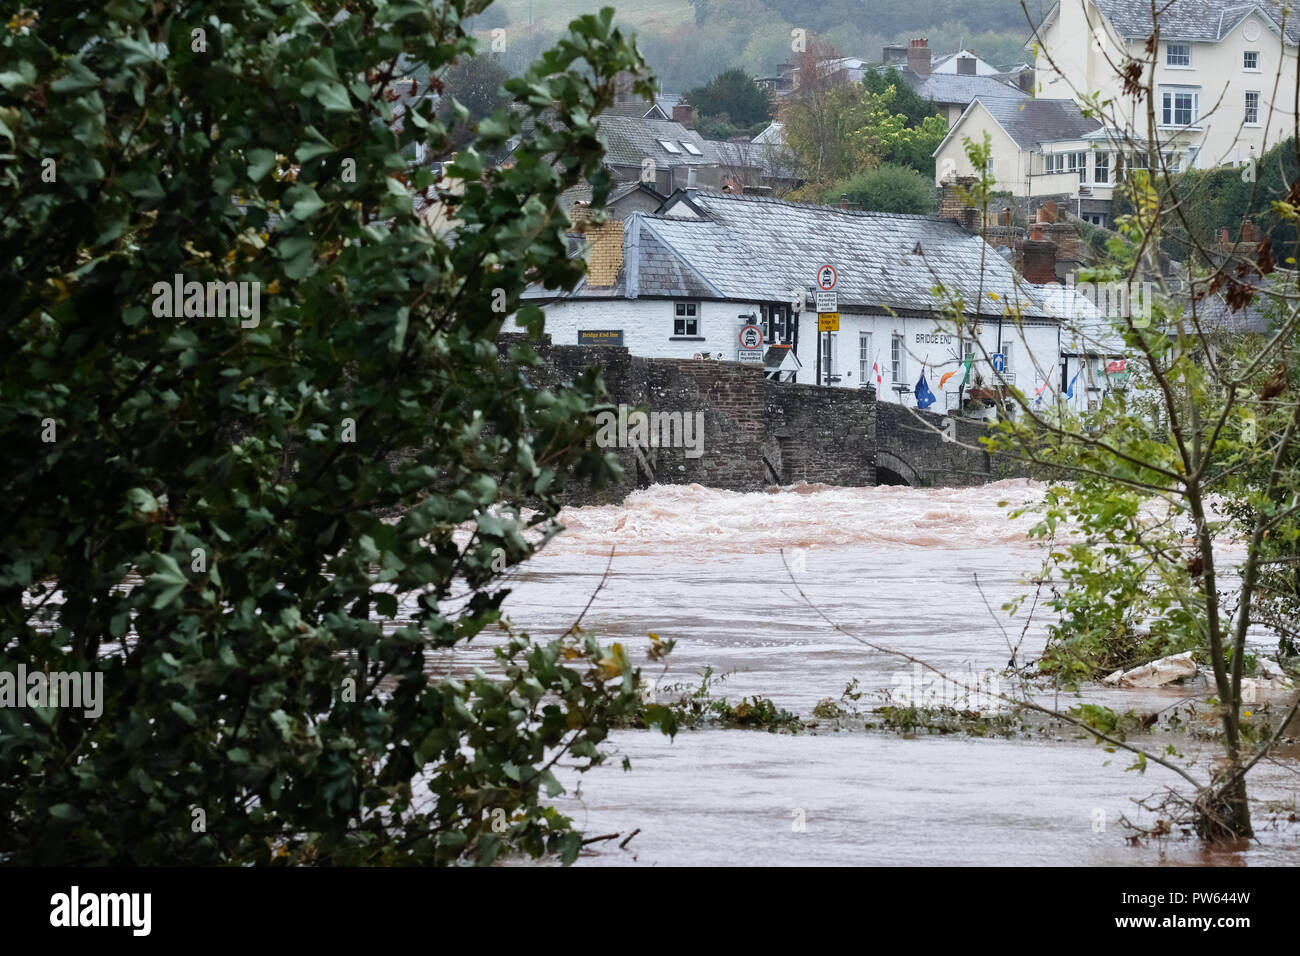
x,y
1114,368
875,367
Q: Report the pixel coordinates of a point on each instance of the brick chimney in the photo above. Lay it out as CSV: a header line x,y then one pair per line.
x,y
682,113
605,257
1038,259
918,56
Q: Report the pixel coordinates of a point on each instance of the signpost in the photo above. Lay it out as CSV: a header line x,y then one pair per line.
x,y
751,344
999,361
828,314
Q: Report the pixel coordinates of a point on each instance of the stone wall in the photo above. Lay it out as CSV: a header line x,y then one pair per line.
x,y
759,433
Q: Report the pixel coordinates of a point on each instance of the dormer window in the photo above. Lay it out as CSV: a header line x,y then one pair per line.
x,y
672,148
1178,54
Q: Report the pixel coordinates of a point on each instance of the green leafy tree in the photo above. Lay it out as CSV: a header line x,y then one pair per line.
x,y
192,499
886,189
903,99
732,95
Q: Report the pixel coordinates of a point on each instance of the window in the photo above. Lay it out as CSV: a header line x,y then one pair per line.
x,y
1252,107
1066,163
1173,161
988,165
686,320
828,356
1179,107
864,359
1101,167
1178,54
1006,356
775,324
1250,61
691,148
896,358
1137,160
669,146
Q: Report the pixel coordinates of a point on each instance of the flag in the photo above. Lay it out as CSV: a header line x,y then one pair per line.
x,y
943,380
1114,368
875,367
1069,392
966,378
1038,392
924,397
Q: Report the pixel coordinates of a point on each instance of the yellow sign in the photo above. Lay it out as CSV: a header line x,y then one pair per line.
x,y
828,321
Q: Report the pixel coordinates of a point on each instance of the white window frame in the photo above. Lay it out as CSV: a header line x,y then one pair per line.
x,y
1170,56
1246,61
897,359
1009,368
864,358
691,148
1248,120
686,320
1169,106
1098,166
668,145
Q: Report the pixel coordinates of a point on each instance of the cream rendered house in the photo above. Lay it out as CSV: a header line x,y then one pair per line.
x,y
1040,150
1217,65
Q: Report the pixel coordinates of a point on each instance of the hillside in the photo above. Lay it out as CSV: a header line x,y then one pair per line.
x,y
689,41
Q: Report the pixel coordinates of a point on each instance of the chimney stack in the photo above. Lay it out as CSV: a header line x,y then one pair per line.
x,y
692,179
605,255
1026,81
966,66
918,56
1038,258
682,113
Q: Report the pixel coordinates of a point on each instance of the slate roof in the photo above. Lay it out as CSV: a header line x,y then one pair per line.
x,y
1031,123
630,139
755,249
949,89
1206,21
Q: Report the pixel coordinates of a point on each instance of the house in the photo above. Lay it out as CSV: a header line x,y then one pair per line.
x,y
685,281
1214,74
950,91
1041,151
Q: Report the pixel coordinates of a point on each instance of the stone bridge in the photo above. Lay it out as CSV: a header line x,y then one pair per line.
x,y
759,433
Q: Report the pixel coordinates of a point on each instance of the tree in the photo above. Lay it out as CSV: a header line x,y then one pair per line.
x,y
903,99
1198,423
734,96
193,490
476,83
886,189
820,117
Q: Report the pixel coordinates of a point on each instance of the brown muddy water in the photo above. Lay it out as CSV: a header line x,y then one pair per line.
x,y
896,566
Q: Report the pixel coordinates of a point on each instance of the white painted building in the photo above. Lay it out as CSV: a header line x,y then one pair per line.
x,y
1214,72
688,281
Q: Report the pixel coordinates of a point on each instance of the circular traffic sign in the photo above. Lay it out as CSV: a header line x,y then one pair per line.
x,y
751,337
826,278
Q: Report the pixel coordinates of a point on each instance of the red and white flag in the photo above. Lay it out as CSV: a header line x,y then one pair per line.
x,y
1116,367
875,367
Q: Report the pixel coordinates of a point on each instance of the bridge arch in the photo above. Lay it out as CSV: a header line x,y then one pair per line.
x,y
892,470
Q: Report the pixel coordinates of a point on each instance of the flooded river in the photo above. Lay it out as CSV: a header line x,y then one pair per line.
x,y
898,567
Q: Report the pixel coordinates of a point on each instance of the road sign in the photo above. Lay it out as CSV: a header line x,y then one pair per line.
x,y
751,338
999,361
749,355
828,322
828,302
826,278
